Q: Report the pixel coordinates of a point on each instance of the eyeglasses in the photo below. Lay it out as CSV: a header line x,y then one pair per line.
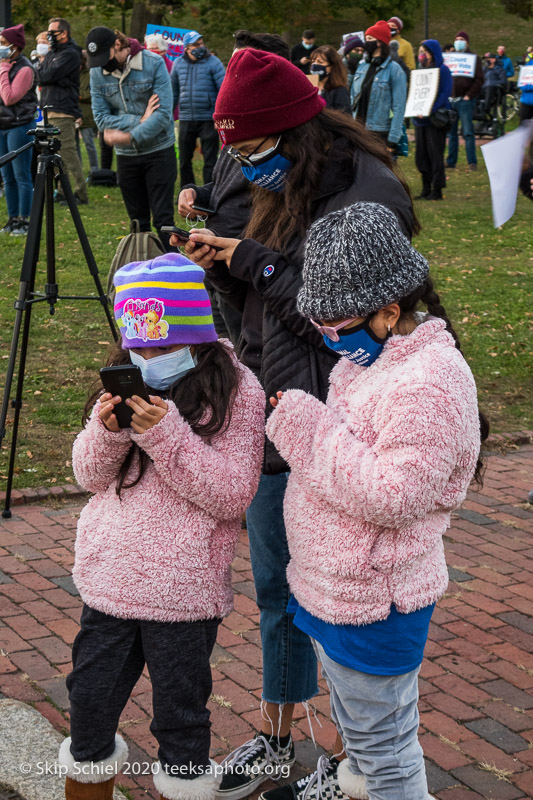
x,y
248,160
331,331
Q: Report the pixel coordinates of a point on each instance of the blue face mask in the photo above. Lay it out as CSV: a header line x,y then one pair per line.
x,y
162,371
307,46
460,45
360,345
270,174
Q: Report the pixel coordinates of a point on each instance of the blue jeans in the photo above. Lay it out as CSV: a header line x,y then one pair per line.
x,y
18,184
289,662
377,717
465,111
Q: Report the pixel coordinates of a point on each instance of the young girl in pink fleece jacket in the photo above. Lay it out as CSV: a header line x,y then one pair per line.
x,y
375,475
155,543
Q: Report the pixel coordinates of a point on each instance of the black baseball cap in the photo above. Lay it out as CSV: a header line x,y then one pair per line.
x,y
98,42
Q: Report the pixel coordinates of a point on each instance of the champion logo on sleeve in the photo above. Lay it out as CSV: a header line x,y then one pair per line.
x,y
267,272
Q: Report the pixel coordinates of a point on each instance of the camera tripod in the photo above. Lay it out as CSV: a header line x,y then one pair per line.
x,y
48,163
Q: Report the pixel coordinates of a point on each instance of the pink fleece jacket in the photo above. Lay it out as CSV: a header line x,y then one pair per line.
x,y
163,551
375,474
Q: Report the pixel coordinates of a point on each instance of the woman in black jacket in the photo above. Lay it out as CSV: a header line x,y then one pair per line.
x,y
303,160
332,78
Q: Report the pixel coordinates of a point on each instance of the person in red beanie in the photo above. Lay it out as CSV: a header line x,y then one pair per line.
x,y
303,160
379,88
18,102
405,48
464,93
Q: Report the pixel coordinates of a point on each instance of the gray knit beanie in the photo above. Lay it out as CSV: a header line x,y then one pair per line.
x,y
357,261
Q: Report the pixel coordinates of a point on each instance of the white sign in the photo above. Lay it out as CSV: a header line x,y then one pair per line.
x,y
361,35
461,65
423,87
504,158
525,77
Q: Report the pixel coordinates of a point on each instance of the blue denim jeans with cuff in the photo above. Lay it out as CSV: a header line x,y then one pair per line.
x,y
465,111
289,662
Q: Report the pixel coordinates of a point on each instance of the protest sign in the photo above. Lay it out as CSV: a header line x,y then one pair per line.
x,y
525,78
423,87
504,160
361,35
174,37
460,64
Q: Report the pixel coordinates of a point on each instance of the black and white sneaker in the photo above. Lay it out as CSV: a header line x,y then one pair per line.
x,y
8,227
323,784
252,764
21,227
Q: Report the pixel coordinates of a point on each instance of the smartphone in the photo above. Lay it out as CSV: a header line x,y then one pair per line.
x,y
125,380
177,231
183,234
203,210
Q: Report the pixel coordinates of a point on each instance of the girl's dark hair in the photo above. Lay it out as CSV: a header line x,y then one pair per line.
x,y
384,51
338,75
268,42
204,397
425,293
278,217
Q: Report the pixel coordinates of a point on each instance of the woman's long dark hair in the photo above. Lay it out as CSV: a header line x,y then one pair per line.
x,y
278,217
339,74
204,397
427,295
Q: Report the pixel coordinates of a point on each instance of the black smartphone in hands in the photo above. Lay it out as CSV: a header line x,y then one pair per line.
x,y
125,381
179,232
202,209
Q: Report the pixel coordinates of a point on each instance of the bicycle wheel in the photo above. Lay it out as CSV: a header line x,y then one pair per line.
x,y
507,109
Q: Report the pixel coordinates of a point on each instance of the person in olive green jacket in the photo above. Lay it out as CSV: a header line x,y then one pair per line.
x,y
405,48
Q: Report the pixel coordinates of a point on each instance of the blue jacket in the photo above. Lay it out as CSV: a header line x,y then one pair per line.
x,y
119,100
507,64
494,76
444,91
195,85
387,96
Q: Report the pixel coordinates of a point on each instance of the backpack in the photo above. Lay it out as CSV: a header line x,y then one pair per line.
x,y
136,246
102,177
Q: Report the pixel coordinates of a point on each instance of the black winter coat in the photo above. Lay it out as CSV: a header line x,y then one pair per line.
x,y
58,75
282,347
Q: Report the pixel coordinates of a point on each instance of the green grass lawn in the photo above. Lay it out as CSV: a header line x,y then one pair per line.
x,y
483,275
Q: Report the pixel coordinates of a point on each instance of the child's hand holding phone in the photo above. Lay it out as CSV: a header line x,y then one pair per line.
x,y
146,415
107,411
274,401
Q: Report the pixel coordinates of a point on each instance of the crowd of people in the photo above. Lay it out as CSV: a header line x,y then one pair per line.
x,y
129,95
373,432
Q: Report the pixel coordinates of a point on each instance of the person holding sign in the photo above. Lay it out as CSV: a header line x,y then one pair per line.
x,y
430,138
465,90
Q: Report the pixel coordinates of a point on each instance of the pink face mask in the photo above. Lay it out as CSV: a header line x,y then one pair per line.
x,y
422,58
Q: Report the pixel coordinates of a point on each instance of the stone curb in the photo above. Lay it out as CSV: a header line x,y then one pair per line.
x,y
19,497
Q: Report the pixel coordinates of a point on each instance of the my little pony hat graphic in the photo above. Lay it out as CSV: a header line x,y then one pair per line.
x,y
163,302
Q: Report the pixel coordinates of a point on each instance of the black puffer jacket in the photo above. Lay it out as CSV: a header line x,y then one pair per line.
x,y
281,346
58,75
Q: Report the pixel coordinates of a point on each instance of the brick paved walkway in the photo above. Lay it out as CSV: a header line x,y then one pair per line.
x,y
476,688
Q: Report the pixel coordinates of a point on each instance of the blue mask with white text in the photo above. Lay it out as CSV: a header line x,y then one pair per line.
x,y
360,345
270,174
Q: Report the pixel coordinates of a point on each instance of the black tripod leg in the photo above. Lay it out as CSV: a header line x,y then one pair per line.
x,y
23,308
85,246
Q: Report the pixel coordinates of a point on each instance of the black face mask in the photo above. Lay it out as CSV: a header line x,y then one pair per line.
x,y
199,53
393,31
370,47
319,69
353,61
52,39
111,65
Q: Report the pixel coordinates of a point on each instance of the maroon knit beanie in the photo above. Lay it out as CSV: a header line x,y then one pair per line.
x,y
15,36
463,35
262,94
380,31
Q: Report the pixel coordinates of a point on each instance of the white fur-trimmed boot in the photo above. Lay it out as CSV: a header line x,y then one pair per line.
x,y
92,780
352,785
171,787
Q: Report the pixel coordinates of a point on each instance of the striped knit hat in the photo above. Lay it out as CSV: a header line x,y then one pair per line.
x,y
163,302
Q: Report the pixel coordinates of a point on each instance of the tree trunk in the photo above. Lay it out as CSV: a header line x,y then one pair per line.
x,y
141,16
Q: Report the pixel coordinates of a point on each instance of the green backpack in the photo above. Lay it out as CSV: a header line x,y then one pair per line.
x,y
136,246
